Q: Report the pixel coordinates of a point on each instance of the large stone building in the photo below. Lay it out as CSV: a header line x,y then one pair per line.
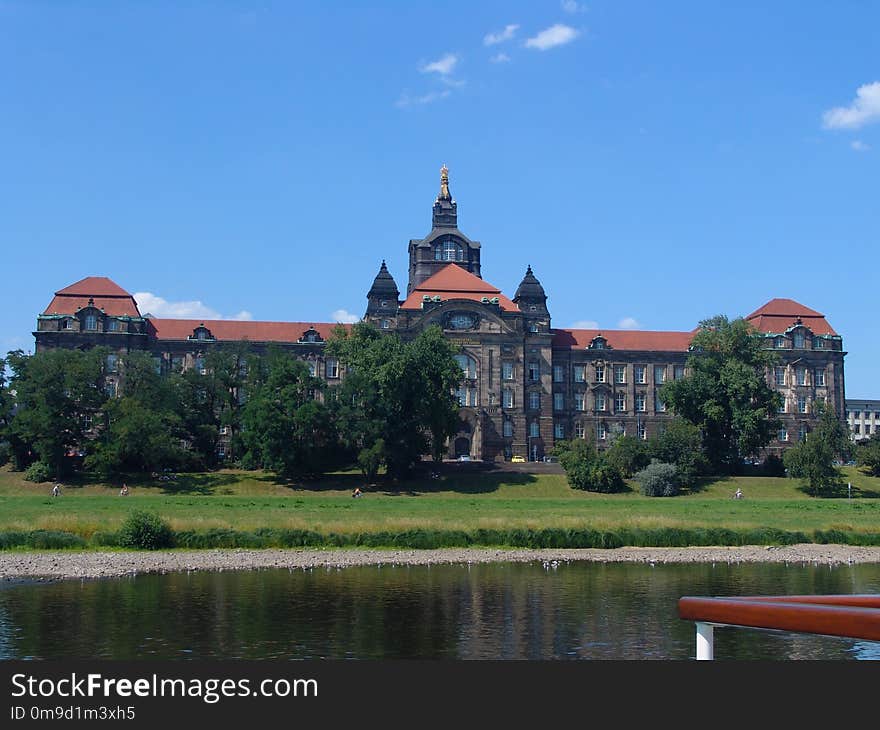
x,y
863,418
526,384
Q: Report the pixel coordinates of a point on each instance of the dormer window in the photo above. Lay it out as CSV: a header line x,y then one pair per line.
x,y
799,340
533,326
201,333
91,322
818,343
779,342
112,325
311,335
598,343
448,250
67,324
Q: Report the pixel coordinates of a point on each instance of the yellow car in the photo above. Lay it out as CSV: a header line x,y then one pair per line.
x,y
518,460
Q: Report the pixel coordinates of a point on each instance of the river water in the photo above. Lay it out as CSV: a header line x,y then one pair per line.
x,y
487,611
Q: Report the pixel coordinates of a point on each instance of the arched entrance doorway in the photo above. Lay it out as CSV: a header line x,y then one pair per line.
x,y
462,446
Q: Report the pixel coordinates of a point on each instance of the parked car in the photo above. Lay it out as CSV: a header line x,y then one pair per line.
x,y
464,457
518,460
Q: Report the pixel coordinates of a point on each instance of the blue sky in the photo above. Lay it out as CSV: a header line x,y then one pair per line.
x,y
655,163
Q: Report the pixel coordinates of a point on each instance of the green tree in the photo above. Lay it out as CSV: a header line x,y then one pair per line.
x,y
588,469
58,393
141,431
284,428
813,459
679,442
628,455
726,394
868,454
7,406
399,393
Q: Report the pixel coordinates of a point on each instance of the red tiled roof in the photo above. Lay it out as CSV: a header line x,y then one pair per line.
x,y
625,339
94,286
778,315
454,282
235,330
107,295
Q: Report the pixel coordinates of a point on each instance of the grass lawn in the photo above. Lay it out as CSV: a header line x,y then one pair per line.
x,y
461,499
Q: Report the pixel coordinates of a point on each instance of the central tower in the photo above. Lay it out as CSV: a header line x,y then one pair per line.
x,y
445,244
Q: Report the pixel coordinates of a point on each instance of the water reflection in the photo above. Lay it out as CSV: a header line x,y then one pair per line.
x,y
496,611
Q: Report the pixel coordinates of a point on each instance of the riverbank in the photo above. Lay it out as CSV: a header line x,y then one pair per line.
x,y
59,565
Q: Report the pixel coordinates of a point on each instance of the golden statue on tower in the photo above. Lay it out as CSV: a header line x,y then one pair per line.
x,y
444,182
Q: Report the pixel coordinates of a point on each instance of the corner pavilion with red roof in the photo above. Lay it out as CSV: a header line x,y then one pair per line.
x,y
525,384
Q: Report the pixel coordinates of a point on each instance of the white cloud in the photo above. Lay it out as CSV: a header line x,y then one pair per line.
x,y
865,108
859,146
442,66
570,6
492,39
629,323
159,307
500,58
555,35
406,100
585,324
344,316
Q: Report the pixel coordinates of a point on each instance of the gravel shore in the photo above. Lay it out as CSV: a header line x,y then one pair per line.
x,y
57,565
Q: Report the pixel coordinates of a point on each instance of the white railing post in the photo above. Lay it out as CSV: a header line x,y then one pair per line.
x,y
705,641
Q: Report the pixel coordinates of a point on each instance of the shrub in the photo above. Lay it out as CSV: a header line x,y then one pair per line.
x,y
39,471
145,531
5,452
658,479
773,466
585,468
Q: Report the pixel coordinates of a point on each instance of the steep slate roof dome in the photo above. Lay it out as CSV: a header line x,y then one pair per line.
x,y
453,282
777,315
104,293
530,288
384,285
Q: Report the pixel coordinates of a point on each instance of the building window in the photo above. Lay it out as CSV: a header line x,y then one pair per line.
x,y
643,432
600,401
534,371
467,397
641,374
620,402
579,374
818,343
507,428
579,430
779,342
558,376
601,431
534,400
579,401
534,429
782,435
157,365
857,428
558,401
507,371
507,398
199,364
799,341
448,250
112,325
331,368
110,388
468,365
640,402
600,373
802,404
385,324
678,372
176,363
558,431
659,405
112,363
802,433
91,322
783,406
659,374
313,368
533,326
779,374
67,324
801,376
620,374
820,376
